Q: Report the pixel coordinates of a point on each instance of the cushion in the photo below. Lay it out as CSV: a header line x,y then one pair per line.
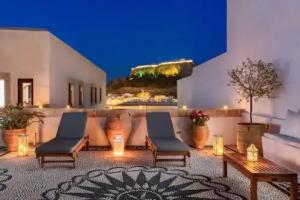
x,y
284,139
159,125
58,145
72,125
291,126
166,144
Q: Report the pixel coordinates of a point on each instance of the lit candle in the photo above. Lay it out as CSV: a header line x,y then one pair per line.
x,y
252,153
23,145
118,145
184,107
68,106
225,107
218,145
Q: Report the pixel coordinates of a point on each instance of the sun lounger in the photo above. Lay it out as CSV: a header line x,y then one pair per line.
x,y
162,140
68,142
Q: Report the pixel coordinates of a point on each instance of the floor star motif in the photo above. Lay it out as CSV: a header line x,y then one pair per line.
x,y
141,183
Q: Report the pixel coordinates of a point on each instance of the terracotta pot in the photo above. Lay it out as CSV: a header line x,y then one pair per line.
x,y
200,136
10,138
250,134
118,122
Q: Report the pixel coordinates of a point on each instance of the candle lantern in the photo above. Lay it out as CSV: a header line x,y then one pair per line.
x,y
252,153
23,144
218,145
118,145
40,106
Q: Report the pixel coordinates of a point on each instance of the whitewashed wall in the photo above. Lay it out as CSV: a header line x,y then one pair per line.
x,y
258,29
52,64
225,126
67,65
25,54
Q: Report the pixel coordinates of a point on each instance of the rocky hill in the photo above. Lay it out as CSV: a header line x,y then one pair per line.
x,y
159,79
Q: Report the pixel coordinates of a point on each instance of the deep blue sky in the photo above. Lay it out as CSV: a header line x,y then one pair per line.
x,y
119,34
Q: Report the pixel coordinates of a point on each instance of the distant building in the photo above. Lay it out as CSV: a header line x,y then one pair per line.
x,y
37,68
181,68
181,61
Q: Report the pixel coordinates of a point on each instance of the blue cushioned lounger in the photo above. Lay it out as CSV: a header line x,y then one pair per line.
x,y
69,140
161,138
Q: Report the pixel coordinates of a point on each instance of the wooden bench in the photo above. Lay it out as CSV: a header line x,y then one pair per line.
x,y
262,170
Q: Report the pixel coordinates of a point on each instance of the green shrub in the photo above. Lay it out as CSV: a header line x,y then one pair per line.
x,y
16,117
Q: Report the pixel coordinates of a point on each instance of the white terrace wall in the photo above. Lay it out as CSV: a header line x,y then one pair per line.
x,y
222,123
67,65
258,29
25,54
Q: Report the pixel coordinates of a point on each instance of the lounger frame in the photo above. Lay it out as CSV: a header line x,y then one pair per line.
x,y
41,156
156,153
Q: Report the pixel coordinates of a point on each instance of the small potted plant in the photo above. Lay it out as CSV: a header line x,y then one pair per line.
x,y
13,122
200,130
252,81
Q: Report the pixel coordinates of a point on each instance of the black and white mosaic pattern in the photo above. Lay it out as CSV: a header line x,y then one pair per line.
x,y
285,187
4,177
141,183
119,179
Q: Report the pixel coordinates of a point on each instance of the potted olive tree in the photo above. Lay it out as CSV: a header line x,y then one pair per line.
x,y
252,81
13,122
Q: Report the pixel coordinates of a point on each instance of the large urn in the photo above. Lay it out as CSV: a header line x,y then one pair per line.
x,y
200,135
118,122
10,138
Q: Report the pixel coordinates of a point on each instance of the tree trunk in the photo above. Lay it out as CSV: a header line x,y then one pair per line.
x,y
251,108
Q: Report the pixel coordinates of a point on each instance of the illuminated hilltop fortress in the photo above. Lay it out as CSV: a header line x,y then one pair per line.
x,y
181,68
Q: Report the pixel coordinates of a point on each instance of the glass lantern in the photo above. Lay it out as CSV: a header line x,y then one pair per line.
x,y
118,145
23,144
252,153
218,145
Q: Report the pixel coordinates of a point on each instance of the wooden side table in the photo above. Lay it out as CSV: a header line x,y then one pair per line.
x,y
263,170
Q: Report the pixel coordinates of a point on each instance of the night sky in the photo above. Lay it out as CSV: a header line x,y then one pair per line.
x,y
119,34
